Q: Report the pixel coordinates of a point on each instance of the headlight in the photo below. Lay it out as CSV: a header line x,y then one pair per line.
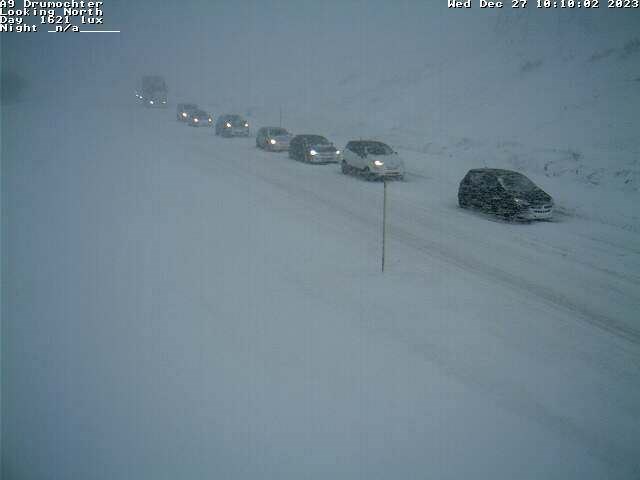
x,y
337,152
312,152
378,163
184,114
210,119
195,120
228,125
164,101
246,124
272,141
151,102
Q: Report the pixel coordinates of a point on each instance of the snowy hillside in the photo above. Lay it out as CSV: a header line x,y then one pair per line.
x,y
553,94
179,305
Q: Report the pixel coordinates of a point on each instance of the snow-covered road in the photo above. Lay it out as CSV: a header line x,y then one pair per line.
x,y
201,307
593,280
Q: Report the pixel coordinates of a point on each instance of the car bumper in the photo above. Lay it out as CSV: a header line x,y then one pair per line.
x,y
388,173
235,132
536,213
155,104
323,158
278,147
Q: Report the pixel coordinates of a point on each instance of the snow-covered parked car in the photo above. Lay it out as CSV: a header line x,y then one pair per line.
x,y
274,139
505,193
372,159
200,118
184,111
232,125
313,149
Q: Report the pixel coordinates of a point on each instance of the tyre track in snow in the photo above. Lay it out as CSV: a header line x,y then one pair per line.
x,y
400,231
511,396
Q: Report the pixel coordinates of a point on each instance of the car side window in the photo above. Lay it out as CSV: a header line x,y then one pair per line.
x,y
489,182
477,179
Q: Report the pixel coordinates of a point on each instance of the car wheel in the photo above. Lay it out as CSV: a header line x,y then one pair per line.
x,y
367,174
345,168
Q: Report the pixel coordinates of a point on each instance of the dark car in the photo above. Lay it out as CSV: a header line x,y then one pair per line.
x,y
232,125
274,139
504,193
184,111
313,149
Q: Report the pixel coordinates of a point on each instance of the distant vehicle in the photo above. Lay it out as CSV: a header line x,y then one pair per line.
x,y
372,159
152,91
232,125
273,139
504,193
313,149
200,118
184,111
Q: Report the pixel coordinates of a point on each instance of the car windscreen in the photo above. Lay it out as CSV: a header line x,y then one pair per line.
x,y
153,83
316,140
277,131
236,120
516,183
378,149
189,106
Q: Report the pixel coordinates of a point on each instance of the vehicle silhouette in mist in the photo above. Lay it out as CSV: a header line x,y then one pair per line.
x,y
152,91
313,149
274,139
232,125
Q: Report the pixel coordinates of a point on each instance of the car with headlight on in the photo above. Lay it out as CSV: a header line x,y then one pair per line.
x,y
232,125
313,149
504,193
184,111
200,118
273,139
152,91
372,159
